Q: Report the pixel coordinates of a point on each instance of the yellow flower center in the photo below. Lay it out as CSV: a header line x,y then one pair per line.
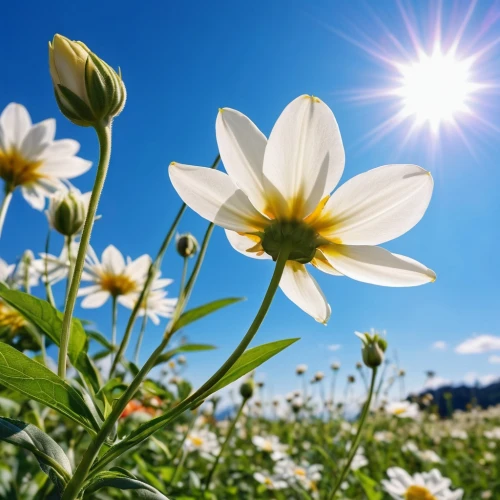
x,y
299,471
197,441
268,482
399,411
415,492
267,446
117,284
10,318
16,170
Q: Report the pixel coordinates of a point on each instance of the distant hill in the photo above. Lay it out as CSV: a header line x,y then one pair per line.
x,y
464,395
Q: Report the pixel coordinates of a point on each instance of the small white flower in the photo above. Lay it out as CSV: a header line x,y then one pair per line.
x,y
112,277
403,409
492,433
304,473
26,272
31,159
459,434
270,444
272,482
383,436
427,485
54,268
279,189
203,441
6,271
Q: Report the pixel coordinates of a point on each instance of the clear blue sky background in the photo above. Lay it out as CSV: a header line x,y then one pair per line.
x,y
181,61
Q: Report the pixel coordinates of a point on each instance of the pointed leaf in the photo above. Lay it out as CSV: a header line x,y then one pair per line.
x,y
20,373
199,312
49,454
166,356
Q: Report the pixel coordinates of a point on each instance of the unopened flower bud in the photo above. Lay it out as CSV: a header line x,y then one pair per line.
x,y
318,376
335,367
351,379
301,369
67,211
373,349
246,389
88,91
187,246
359,366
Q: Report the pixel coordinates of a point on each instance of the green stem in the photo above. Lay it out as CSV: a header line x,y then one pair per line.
x,y
104,136
139,339
71,270
224,444
27,265
82,471
179,468
197,397
152,273
357,438
4,207
114,317
48,288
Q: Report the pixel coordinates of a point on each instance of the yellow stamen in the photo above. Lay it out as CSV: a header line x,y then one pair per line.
x,y
16,170
299,471
117,284
399,411
196,441
312,217
10,319
415,492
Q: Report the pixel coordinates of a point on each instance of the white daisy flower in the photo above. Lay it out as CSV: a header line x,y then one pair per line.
x,y
26,274
112,277
53,268
403,409
359,459
459,434
32,160
6,271
492,433
425,486
383,436
279,190
304,473
203,441
272,482
270,444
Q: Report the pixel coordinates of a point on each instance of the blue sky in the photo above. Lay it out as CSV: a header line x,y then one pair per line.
x,y
181,62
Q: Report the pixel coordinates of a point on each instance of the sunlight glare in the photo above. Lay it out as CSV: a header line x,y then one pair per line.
x,y
435,88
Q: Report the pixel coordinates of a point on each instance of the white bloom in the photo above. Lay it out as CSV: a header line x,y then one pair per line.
x,y
383,436
156,304
6,270
26,272
280,189
54,268
403,409
427,486
112,277
493,433
429,456
459,434
272,482
359,459
203,441
270,444
31,159
306,474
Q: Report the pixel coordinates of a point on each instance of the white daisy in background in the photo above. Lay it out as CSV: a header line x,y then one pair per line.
x,y
359,459
53,268
202,440
112,276
492,433
425,486
156,304
270,444
459,434
272,482
6,271
30,158
282,187
26,274
403,409
429,456
304,473
383,436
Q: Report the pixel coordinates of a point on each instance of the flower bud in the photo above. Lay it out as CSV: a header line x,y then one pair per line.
x,y
373,349
67,211
187,246
87,90
246,389
335,367
301,369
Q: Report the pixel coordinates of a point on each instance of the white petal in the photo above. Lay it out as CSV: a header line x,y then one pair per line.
x,y
377,206
242,243
87,290
377,266
214,196
301,288
242,146
16,123
95,300
321,262
62,148
34,196
65,168
112,260
38,139
138,269
304,157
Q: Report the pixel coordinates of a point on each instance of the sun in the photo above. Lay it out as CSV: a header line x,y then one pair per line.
x,y
435,88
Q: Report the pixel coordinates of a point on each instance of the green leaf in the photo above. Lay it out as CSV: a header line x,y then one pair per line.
x,y
200,312
52,459
48,319
369,485
20,373
99,337
248,361
166,356
123,481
